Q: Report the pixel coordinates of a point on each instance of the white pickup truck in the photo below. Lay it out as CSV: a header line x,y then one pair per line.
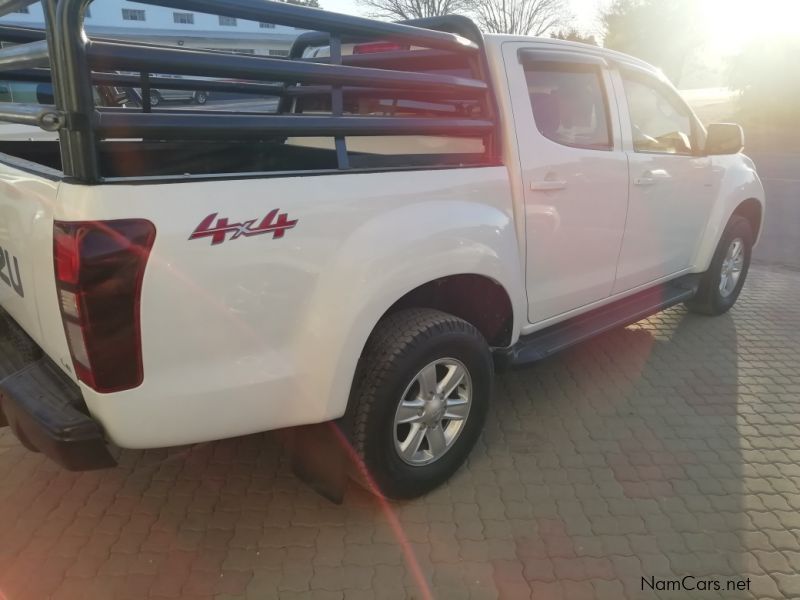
x,y
426,203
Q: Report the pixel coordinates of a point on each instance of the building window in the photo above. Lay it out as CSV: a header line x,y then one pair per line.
x,y
132,14
182,18
267,25
273,52
227,21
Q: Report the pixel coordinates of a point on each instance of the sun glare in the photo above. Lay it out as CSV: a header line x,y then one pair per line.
x,y
733,23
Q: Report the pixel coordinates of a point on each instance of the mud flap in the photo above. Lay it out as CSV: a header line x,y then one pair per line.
x,y
319,459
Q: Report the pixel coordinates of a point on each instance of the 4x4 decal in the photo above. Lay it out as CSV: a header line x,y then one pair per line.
x,y
219,230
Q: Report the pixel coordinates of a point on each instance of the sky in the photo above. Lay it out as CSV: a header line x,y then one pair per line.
x,y
730,23
585,11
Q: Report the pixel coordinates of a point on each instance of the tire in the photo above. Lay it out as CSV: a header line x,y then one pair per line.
x,y
403,346
714,298
155,98
200,97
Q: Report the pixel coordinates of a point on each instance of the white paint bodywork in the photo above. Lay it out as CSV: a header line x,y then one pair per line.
x,y
260,333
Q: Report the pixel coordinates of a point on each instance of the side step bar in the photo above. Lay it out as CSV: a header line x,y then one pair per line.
x,y
541,344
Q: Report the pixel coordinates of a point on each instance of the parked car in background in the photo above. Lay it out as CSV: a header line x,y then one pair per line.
x,y
20,91
160,95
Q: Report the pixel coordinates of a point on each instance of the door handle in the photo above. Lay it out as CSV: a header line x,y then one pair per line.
x,y
651,177
548,184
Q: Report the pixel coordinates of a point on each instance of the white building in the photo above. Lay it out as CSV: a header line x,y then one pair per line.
x,y
130,20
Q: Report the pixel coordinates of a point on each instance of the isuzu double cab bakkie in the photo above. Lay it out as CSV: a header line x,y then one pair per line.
x,y
420,204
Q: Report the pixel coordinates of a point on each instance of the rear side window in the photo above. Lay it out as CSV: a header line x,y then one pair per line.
x,y
569,104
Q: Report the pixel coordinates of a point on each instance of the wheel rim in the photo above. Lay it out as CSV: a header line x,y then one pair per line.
x,y
732,266
432,412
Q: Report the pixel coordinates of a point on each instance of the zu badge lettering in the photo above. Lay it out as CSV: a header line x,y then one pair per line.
x,y
9,275
218,231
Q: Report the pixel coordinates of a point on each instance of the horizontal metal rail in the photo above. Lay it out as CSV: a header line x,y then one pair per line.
x,y
380,93
403,60
242,87
206,126
111,56
21,35
10,6
204,85
24,56
44,116
453,24
27,75
302,17
167,83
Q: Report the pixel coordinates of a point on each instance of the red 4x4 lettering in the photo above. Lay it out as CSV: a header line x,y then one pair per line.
x,y
219,230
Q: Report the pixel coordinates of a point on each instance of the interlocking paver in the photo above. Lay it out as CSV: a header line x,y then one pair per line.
x,y
667,448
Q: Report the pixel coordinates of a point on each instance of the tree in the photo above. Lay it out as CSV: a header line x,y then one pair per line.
x,y
659,32
519,17
573,35
768,81
413,9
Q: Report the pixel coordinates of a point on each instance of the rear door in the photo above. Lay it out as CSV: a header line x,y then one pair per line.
x,y
670,185
575,175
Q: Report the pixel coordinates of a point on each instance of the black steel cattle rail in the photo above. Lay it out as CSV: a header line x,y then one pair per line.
x,y
64,55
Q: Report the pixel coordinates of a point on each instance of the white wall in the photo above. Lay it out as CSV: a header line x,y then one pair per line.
x,y
106,18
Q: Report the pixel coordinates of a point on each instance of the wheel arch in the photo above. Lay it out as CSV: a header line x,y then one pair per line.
x,y
480,300
752,210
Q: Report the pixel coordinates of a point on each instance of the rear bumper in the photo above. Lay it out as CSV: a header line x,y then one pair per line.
x,y
45,410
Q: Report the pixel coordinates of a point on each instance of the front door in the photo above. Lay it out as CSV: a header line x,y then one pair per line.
x,y
574,176
670,185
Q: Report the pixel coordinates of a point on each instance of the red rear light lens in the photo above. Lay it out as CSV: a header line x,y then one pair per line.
x,y
375,47
66,257
99,266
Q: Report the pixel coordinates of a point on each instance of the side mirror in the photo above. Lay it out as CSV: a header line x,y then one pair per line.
x,y
724,138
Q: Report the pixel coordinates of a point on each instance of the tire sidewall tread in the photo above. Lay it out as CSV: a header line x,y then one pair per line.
x,y
709,300
401,344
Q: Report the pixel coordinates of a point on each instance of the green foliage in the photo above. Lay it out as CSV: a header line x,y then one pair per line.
x,y
573,35
660,32
766,75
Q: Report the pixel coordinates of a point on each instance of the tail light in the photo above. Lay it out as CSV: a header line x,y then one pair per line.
x,y
99,267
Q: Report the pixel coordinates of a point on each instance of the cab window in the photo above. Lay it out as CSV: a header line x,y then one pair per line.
x,y
660,121
569,104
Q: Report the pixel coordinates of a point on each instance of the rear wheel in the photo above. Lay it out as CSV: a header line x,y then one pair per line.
x,y
722,283
200,97
155,98
419,400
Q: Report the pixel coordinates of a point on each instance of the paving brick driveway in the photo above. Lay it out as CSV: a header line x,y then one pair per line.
x,y
668,448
